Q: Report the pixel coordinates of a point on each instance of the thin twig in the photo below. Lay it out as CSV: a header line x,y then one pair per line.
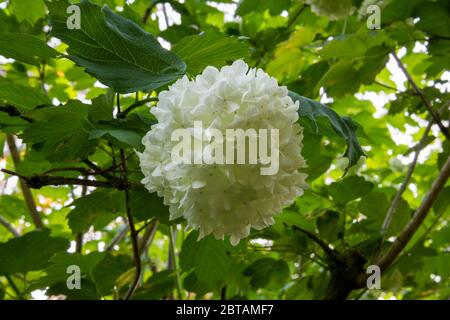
x,y
405,183
149,9
386,86
174,266
434,114
330,253
28,196
134,234
14,287
390,213
118,237
9,226
148,236
39,181
135,105
14,112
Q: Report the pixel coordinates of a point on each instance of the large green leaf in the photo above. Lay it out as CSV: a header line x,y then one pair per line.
x,y
319,118
145,205
22,97
267,270
96,209
62,133
209,49
113,49
29,10
25,48
30,252
274,7
349,189
209,258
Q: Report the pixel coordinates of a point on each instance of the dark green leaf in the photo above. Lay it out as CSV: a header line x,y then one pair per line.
x,y
317,117
115,50
25,48
30,252
96,209
267,270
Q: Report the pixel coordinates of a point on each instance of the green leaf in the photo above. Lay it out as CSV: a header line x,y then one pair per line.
x,y
209,49
58,264
108,270
292,218
29,10
115,50
434,18
62,132
102,107
12,207
29,252
96,209
354,45
274,7
267,270
442,203
209,258
375,206
118,130
145,205
24,98
158,286
349,189
25,48
330,225
318,118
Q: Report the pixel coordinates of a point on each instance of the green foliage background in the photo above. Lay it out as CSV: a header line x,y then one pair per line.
x,y
62,123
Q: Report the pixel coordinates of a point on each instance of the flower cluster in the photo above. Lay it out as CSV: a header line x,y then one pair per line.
x,y
224,199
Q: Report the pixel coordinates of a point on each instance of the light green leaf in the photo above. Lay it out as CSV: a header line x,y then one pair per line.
x,y
209,258
349,189
29,10
209,49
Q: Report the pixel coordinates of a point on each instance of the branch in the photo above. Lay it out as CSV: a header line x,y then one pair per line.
x,y
386,86
39,181
398,196
149,9
14,112
27,195
330,253
173,265
134,234
148,236
433,113
417,219
9,226
135,105
417,149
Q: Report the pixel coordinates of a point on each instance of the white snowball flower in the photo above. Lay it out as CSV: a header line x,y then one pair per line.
x,y
224,199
